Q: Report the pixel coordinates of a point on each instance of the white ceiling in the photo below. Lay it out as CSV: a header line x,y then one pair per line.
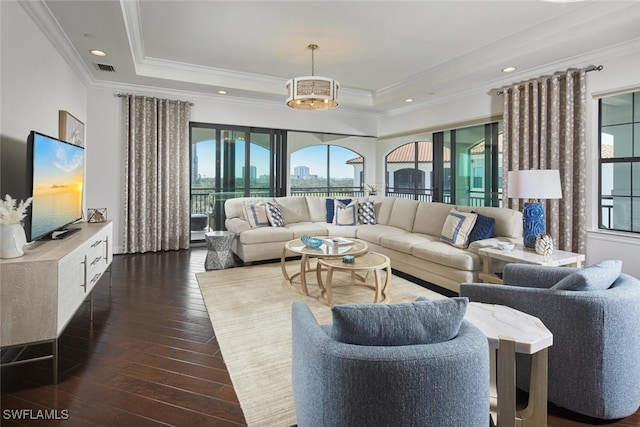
x,y
380,51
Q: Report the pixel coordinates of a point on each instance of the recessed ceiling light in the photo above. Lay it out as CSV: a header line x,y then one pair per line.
x,y
97,52
222,92
408,100
509,69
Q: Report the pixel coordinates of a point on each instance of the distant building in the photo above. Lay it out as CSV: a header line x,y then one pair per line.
x,y
300,172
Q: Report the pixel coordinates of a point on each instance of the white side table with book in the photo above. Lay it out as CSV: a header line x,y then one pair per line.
x,y
521,255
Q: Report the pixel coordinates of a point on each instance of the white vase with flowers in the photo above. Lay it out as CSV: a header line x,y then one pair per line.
x,y
12,236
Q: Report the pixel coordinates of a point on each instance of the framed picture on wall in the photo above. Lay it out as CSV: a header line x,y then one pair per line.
x,y
70,129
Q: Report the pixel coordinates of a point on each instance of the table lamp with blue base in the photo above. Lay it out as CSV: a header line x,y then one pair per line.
x,y
533,184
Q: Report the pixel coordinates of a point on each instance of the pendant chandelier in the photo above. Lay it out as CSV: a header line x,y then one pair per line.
x,y
312,92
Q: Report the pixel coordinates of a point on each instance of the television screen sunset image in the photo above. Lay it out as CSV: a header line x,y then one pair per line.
x,y
58,178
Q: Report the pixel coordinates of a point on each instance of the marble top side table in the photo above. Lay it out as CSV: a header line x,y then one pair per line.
x,y
508,332
219,254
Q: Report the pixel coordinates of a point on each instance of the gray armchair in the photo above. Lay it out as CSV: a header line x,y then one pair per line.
x,y
594,363
340,384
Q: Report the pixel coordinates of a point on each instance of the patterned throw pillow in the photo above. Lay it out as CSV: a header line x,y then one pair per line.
x,y
345,214
256,213
330,206
457,227
483,229
274,213
366,213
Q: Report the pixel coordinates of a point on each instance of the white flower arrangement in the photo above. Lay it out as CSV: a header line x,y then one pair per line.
x,y
9,213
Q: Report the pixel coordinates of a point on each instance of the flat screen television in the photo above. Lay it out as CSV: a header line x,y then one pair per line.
x,y
55,179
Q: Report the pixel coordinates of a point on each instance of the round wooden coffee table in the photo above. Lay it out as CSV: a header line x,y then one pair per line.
x,y
325,251
362,264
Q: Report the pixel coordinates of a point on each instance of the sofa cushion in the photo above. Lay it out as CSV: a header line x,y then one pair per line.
x,y
403,213
330,206
457,227
317,208
366,213
430,218
256,214
423,321
404,242
265,235
374,233
307,228
294,208
445,254
483,228
596,277
345,214
274,213
383,208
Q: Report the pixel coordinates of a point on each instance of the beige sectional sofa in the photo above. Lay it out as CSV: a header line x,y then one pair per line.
x,y
407,231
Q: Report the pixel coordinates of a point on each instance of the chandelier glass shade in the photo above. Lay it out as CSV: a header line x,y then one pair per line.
x,y
312,92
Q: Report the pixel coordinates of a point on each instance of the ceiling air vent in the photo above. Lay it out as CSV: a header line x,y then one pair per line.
x,y
106,67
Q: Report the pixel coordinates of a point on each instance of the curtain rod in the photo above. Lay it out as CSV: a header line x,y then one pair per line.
x,y
586,70
124,95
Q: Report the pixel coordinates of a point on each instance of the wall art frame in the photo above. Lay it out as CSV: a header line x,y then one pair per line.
x,y
70,129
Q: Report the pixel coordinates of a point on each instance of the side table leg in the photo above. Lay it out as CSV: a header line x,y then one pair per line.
x,y
506,382
535,414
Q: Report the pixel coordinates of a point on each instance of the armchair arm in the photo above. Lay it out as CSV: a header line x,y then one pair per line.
x,y
533,276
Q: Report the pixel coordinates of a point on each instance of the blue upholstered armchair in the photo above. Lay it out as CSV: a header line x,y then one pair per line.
x,y
594,315
342,384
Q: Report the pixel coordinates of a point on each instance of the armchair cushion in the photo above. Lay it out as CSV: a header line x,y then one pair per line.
x,y
424,321
596,277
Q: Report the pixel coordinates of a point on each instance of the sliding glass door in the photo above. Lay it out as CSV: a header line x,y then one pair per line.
x,y
228,162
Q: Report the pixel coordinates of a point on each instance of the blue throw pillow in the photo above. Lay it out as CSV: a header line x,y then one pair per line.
x,y
483,228
424,321
596,277
330,206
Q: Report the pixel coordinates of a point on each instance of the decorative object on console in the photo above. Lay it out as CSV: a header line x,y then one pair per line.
x,y
96,214
70,129
372,189
544,245
312,92
534,184
12,235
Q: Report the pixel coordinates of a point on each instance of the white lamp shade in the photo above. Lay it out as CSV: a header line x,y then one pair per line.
x,y
534,184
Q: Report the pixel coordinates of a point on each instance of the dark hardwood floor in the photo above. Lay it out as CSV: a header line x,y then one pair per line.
x,y
150,357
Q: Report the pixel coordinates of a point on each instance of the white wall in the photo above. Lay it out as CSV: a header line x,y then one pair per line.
x,y
35,83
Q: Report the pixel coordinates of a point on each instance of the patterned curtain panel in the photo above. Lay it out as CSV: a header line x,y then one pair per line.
x,y
545,128
156,146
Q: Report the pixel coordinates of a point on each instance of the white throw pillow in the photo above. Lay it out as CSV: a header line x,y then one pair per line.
x,y
345,214
256,213
457,227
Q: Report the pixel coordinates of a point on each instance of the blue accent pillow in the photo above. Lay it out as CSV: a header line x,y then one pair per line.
x,y
424,321
596,277
483,228
330,205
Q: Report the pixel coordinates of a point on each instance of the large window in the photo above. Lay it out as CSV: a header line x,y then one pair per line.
x,y
326,170
619,126
460,166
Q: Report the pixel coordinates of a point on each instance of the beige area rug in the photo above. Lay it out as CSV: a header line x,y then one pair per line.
x,y
250,310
